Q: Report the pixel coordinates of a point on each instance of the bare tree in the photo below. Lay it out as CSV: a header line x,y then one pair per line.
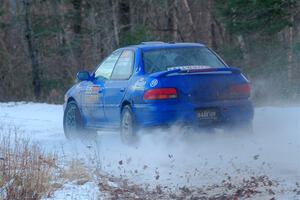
x,y
173,21
33,51
115,19
190,19
47,41
77,22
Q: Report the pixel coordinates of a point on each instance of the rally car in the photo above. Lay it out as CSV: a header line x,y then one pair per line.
x,y
158,84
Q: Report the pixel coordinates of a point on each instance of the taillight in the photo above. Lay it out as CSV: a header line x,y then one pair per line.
x,y
160,93
241,89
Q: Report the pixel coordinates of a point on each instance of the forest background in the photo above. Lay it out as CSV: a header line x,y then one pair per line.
x,y
43,43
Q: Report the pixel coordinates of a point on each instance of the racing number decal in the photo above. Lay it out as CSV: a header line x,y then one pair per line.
x,y
95,88
92,94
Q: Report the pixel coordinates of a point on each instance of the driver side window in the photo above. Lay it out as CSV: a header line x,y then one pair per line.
x,y
105,69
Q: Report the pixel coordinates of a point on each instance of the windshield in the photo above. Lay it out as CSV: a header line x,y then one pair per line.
x,y
157,60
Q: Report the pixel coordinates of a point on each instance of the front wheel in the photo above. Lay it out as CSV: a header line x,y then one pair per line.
x,y
128,126
72,120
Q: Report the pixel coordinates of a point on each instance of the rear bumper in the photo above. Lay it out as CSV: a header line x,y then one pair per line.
x,y
163,113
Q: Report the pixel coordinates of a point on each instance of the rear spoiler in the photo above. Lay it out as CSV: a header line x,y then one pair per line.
x,y
174,71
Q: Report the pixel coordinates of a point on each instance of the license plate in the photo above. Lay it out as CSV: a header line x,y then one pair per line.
x,y
207,114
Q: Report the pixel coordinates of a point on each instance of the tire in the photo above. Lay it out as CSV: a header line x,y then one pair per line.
x,y
128,128
72,121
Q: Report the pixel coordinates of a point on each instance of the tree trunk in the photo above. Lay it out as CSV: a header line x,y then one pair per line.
x,y
94,38
172,21
124,16
290,53
115,7
13,7
59,20
211,26
77,21
33,51
245,51
220,30
190,19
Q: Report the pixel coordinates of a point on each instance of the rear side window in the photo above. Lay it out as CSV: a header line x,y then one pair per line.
x,y
105,69
163,59
123,68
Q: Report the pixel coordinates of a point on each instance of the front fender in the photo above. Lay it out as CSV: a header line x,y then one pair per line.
x,y
74,94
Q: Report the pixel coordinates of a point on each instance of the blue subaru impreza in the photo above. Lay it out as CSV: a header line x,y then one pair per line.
x,y
158,84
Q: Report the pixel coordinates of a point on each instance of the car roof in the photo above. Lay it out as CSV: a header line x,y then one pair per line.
x,y
158,45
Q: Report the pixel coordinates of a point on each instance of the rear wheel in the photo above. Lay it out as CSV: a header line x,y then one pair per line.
x,y
128,126
72,120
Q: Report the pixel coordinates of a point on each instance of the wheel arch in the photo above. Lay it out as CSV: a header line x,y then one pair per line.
x,y
71,99
125,103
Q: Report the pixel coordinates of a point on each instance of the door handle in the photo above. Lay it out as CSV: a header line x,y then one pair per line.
x,y
122,90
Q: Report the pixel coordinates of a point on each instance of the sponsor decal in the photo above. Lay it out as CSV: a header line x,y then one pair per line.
x,y
139,84
96,89
92,98
153,83
92,94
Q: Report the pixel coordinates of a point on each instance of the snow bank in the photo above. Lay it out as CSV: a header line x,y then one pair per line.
x,y
172,158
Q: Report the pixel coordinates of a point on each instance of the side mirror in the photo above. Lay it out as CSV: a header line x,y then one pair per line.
x,y
83,76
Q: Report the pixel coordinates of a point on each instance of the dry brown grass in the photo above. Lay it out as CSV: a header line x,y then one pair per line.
x,y
26,172
76,172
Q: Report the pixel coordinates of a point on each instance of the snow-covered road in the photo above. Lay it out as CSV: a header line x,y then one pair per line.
x,y
169,157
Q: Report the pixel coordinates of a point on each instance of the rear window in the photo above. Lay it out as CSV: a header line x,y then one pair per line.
x,y
157,60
